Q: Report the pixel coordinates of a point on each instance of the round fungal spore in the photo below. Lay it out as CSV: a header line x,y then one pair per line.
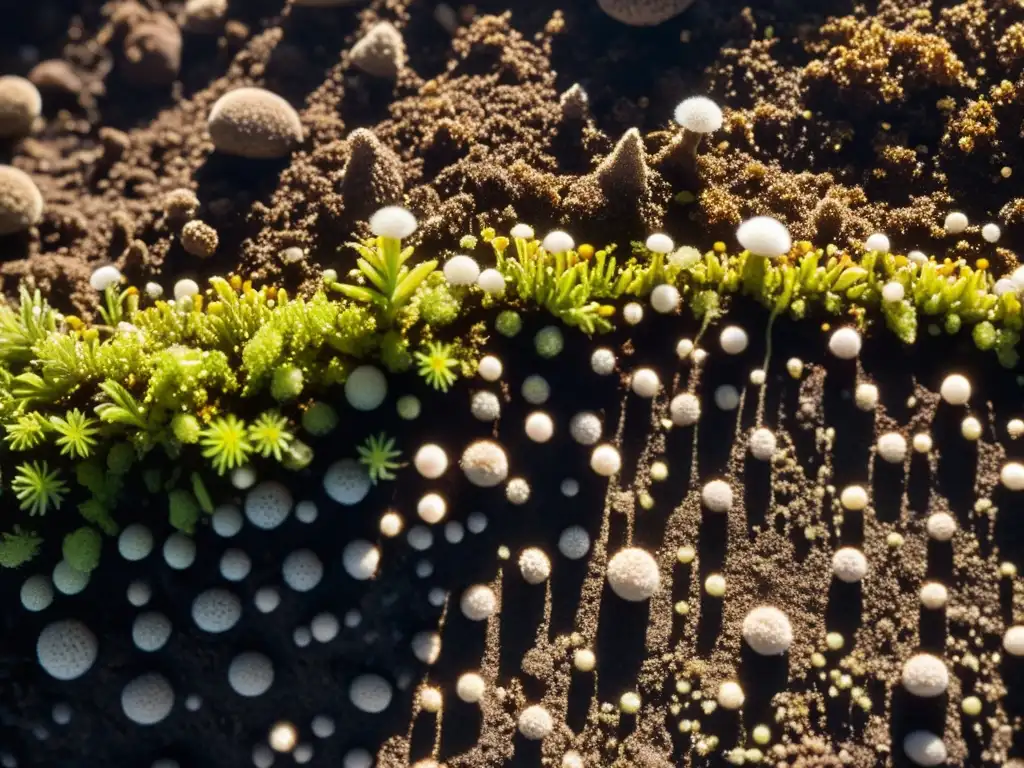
x,y
478,602
585,428
216,610
934,595
347,482
360,559
717,496
250,674
148,699
633,574
517,491
684,409
730,695
365,388
605,460
925,749
431,508
763,444
485,406
267,599
849,565
254,123
853,498
536,390
892,447
734,340
235,565
470,687
955,389
767,631
535,723
602,361
845,343
539,427
1013,640
268,504
645,383
302,570
66,649
226,520
485,463
36,593
574,542
151,631
490,368
941,526
1012,476
535,565
426,646
665,299
925,675
370,693
431,461
727,397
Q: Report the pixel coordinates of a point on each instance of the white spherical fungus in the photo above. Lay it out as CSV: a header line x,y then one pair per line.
x,y
684,409
185,289
1015,428
877,242
849,565
431,508
574,542
283,738
347,482
764,236
250,674
925,675
569,487
470,687
763,444
1013,640
557,241
491,281
243,478
659,243
370,693
306,511
431,700
267,599
893,292
104,277
955,389
454,532
684,348
535,565
602,361
955,223
431,461
517,491
226,520
865,397
767,631
917,257
539,427
179,551
485,406
892,447
139,593
302,637
135,542
733,339
1012,476
991,233
476,522
66,649
845,343
485,463
420,538
854,498
361,559
698,114
426,646
490,368
148,699
665,299
478,602
1004,285
925,749
633,574
268,504
535,723
727,397
585,428
365,388
151,631
606,460
933,595
323,727
36,593
461,270
730,695
302,570
645,383
67,580
536,389
717,496
941,526
394,222
216,610
971,428
922,442
302,754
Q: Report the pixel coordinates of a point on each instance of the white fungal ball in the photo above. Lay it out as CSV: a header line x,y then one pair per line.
x,y
476,522
370,693
517,491
216,610
854,498
1012,476
139,593
917,257
454,532
431,461
323,728
585,428
659,243
302,570
602,361
535,723
306,511
645,382
849,565
665,298
536,389
431,699
941,526
491,281
66,649
461,270
268,504
574,542
767,631
539,427
244,477
733,339
226,520
67,580
865,397
877,242
684,348
1004,285
633,574
489,368
730,695
484,463
148,699
892,447
267,599
324,627
302,637
762,444
485,406
179,551
971,428
569,487
955,389
845,343
606,460
758,377
151,631
557,241
727,397
955,223
104,277
347,482
365,388
184,289
36,593
426,646
360,559
991,233
925,675
717,496
535,565
934,595
283,737
893,292
478,602
394,222
431,508
1013,640
684,409
1015,428
925,749
470,687
420,538
764,236
135,542
922,442
632,313
250,674
302,754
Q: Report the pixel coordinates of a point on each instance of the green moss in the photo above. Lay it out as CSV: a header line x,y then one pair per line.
x,y
82,549
319,419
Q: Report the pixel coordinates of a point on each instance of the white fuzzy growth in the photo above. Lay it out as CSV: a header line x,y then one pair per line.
x,y
461,270
491,281
431,508
365,388
557,241
179,551
585,428
645,383
925,675
866,397
185,288
574,542
1012,476
1013,640
36,593
485,463
517,491
470,687
764,236
1004,285
922,442
243,477
877,242
431,461
893,292
606,460
360,559
104,277
268,505
66,649
684,409
535,565
955,389
522,231
602,361
148,699
733,339
971,428
485,406
730,695
767,631
941,526
633,574
539,427
892,447
934,595
727,397
370,693
632,313
302,570
684,348
763,444
925,749
660,243
154,290
393,221
918,257
845,343
535,723
536,389
665,299
717,496
699,114
955,223
478,603
849,565
135,542
250,674
267,599
216,610
991,233
347,482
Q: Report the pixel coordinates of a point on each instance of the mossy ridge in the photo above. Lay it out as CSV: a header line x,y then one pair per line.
x,y
179,375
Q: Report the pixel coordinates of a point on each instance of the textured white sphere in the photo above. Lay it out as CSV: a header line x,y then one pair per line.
x,y
991,233
522,231
941,526
574,542
1012,476
478,602
955,223
324,627
659,243
148,699
461,270
539,427
698,114
267,599
955,389
763,444
302,570
135,542
585,428
922,442
633,313
431,461
306,511
536,389
764,236
365,388
877,242
535,565
361,559
243,477
179,551
139,593
849,565
36,593
557,241
934,595
854,498
431,508
491,281
733,339
633,574
730,695
893,292
485,406
602,361
268,504
767,631
184,289
250,674
227,520
66,649
865,397
104,277
151,631
727,397
216,610
485,463
717,496
323,727
845,343
393,221
535,722
67,580
1013,640
605,460
370,693
684,409
426,646
925,749
892,447
645,383
347,482
490,368
470,687
925,675
665,299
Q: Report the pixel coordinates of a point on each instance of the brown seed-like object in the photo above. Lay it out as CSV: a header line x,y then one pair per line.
x,y
21,203
57,77
199,238
20,105
381,51
152,51
254,123
181,203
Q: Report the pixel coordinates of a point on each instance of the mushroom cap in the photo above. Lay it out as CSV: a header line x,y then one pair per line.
x,y
254,123
21,202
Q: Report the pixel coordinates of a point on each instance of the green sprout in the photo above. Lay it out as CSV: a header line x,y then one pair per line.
x,y
269,435
26,432
77,434
226,443
379,456
18,548
37,487
436,364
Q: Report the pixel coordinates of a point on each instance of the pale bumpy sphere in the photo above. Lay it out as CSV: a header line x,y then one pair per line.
x,y
925,749
892,447
645,383
717,496
347,482
426,646
762,444
730,695
478,602
393,221
302,570
179,551
485,406
925,675
365,388
226,520
764,236
585,428
431,508
659,243
633,313
431,461
490,368
268,504
853,498
21,203
370,693
865,397
461,270
539,427
431,699
216,610
845,343
306,511
605,460
767,631
147,699
135,542
66,649
941,526
470,687
877,242
991,233
574,542
535,565
324,627
254,123
955,223
1013,640
250,674
602,361
665,299
633,574
67,580
849,565
491,281
684,409
517,491
1012,476
893,292
934,595
535,722
557,241
360,559
955,389
104,277
267,599
536,390
733,339
151,631
36,593
485,463
323,727
727,397
20,105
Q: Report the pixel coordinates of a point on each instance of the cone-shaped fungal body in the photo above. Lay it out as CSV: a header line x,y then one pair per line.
x,y
381,51
373,174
